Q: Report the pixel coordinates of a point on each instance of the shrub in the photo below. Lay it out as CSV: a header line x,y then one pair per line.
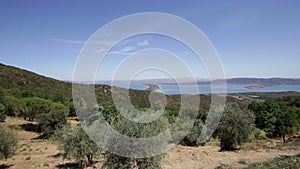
x,y
235,127
57,117
134,130
194,137
74,143
2,113
258,135
12,106
8,144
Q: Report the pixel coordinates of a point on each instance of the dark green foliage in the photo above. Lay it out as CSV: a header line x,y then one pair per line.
x,y
2,97
8,144
235,127
287,122
74,143
57,117
2,113
2,105
194,137
60,98
266,115
276,118
292,100
12,106
72,111
30,107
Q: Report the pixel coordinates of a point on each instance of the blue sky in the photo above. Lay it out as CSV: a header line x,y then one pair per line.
x,y
253,38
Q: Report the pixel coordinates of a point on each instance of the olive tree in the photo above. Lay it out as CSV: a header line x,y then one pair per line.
x,y
74,143
235,127
8,144
134,130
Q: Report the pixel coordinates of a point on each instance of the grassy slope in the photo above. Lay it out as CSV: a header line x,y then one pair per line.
x,y
13,79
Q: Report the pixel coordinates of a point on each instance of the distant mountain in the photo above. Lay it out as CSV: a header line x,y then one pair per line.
x,y
258,81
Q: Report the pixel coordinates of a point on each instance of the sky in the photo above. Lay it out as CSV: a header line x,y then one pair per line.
x,y
252,38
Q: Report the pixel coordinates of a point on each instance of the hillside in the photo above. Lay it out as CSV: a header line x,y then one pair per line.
x,y
14,79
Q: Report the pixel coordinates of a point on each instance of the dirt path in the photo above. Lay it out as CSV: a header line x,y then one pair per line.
x,y
38,153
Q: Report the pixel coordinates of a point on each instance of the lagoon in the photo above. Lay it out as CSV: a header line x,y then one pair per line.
x,y
172,89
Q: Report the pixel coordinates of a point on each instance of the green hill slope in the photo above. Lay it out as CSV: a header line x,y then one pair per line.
x,y
14,79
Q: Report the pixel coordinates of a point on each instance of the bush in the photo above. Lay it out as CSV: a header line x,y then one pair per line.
x,y
258,135
194,137
12,106
74,143
57,117
2,113
235,127
134,130
8,144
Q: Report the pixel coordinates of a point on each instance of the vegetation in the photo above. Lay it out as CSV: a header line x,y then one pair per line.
x,y
134,130
74,143
2,96
12,106
48,101
8,144
235,127
2,105
23,83
281,162
276,118
57,117
2,113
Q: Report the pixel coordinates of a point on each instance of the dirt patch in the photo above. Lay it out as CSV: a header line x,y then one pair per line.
x,y
209,156
31,152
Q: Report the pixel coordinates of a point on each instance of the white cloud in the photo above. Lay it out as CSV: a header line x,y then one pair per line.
x,y
144,43
101,50
128,48
76,42
105,43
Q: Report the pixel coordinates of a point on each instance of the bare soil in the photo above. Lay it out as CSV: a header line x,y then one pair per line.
x,y
34,152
